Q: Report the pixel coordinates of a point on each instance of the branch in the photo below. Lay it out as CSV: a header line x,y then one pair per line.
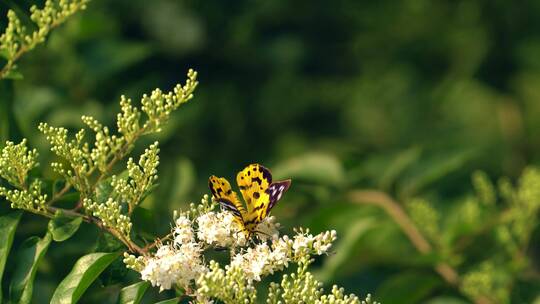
x,y
396,212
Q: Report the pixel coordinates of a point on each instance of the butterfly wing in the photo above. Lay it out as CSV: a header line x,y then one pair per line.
x,y
259,193
227,198
275,191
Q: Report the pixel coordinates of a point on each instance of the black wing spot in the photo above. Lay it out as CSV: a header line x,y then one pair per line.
x,y
229,192
211,188
257,179
256,195
266,174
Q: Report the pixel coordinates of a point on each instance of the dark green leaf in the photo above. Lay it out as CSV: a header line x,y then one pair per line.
x,y
85,271
397,165
407,287
29,256
133,294
344,249
169,301
108,243
103,191
62,227
432,170
8,225
104,188
446,300
6,99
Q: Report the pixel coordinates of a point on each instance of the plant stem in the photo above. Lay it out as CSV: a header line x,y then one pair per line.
x,y
396,212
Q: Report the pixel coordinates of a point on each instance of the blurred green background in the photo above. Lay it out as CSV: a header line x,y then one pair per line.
x,y
407,97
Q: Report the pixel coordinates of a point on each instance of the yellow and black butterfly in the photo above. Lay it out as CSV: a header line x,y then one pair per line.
x,y
259,192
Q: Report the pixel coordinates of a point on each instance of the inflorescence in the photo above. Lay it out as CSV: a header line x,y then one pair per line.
x,y
179,261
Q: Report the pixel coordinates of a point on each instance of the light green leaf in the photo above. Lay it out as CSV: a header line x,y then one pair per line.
x,y
85,271
8,225
13,74
313,167
63,227
133,294
4,53
29,256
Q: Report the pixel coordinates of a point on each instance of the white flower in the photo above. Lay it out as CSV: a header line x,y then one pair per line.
x,y
305,242
281,252
255,262
268,229
220,229
323,241
183,233
174,266
301,242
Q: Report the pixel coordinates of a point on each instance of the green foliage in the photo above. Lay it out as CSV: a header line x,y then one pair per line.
x,y
8,225
15,162
141,178
63,227
403,98
17,40
303,287
110,214
29,255
133,294
85,271
426,217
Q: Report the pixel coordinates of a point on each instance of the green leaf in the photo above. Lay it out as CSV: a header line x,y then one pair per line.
x,y
29,256
62,227
4,53
397,165
345,248
446,300
104,188
103,191
133,294
6,100
433,170
13,74
8,225
313,167
120,55
85,271
169,301
407,288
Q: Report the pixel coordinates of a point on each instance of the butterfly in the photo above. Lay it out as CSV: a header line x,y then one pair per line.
x,y
259,192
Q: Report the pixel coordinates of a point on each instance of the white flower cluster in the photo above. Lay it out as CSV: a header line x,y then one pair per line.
x,y
220,229
264,259
174,265
179,261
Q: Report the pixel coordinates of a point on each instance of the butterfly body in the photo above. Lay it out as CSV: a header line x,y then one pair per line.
x,y
260,195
